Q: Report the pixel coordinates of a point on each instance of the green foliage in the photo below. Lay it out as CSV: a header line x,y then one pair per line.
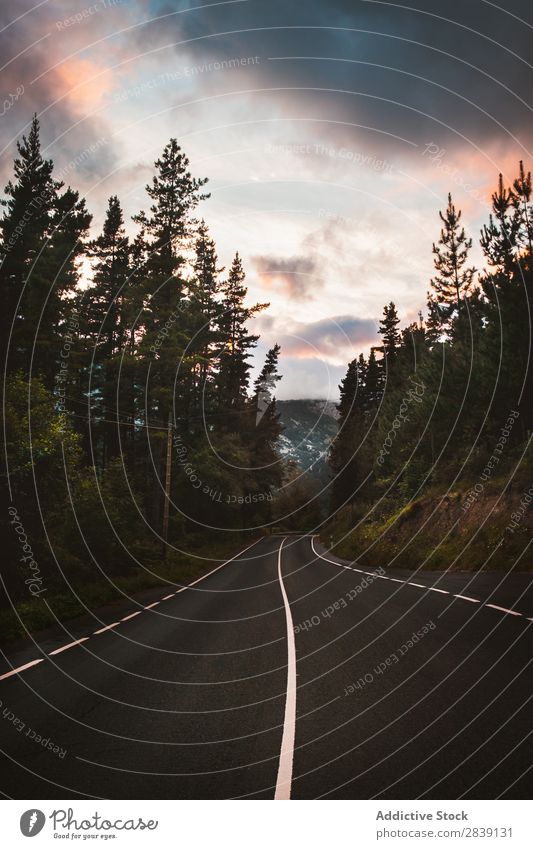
x,y
108,382
430,412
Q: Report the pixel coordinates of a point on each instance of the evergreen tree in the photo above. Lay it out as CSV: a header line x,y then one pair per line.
x,y
453,279
388,328
236,345
265,427
500,238
373,390
348,387
25,228
522,202
107,327
204,312
345,453
168,227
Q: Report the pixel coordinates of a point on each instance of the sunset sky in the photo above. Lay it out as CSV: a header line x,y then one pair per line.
x,y
331,133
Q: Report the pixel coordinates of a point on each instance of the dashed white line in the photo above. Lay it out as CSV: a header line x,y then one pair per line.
x,y
107,628
433,589
503,609
68,646
125,618
20,668
284,779
131,615
154,604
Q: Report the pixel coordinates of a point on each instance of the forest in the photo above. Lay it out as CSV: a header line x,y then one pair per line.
x,y
124,383
127,378
435,424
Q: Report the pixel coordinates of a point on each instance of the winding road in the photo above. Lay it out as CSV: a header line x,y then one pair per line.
x,y
283,673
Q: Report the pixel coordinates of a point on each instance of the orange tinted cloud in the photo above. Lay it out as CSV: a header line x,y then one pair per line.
x,y
83,82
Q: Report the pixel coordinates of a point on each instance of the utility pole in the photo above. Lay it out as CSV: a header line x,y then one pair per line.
x,y
166,505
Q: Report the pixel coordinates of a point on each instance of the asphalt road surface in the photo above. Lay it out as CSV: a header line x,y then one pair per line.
x,y
284,673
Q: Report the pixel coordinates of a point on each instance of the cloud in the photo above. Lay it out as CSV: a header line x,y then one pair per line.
x,y
297,277
335,340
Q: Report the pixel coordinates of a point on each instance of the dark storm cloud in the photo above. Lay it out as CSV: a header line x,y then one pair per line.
x,y
445,72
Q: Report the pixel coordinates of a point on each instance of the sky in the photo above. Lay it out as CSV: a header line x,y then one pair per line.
x,y
331,132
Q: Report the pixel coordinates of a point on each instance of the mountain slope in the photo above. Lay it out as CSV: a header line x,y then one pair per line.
x,y
309,425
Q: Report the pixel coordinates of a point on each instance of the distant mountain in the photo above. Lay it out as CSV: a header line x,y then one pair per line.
x,y
309,428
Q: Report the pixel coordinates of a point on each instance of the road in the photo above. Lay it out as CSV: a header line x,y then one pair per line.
x,y
284,673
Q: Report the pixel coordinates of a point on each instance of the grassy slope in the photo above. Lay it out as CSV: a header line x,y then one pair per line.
x,y
176,570
435,532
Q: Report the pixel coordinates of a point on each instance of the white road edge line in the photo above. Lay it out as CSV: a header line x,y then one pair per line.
x,y
286,758
82,640
68,646
20,668
434,589
362,571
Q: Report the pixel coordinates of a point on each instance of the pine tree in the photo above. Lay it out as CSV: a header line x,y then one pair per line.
x,y
373,390
345,457
388,329
348,387
264,401
435,321
168,227
107,327
522,203
453,279
500,238
203,314
25,228
265,427
237,344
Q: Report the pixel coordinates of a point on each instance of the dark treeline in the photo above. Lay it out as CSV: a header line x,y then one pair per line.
x,y
426,410
106,378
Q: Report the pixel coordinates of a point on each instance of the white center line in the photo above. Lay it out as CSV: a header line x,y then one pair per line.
x,y
467,598
284,779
